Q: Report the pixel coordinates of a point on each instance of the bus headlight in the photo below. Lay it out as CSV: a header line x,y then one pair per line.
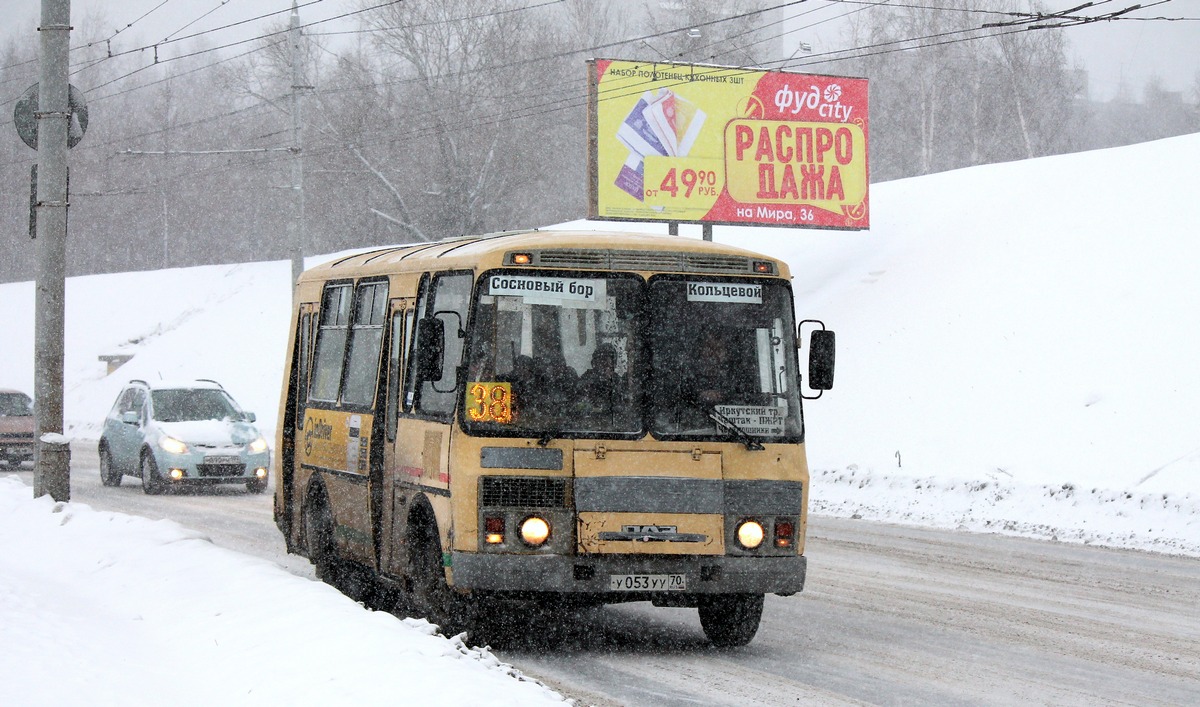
x,y
535,530
750,534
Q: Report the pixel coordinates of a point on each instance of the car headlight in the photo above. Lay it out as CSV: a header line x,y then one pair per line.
x,y
535,530
750,534
172,445
258,446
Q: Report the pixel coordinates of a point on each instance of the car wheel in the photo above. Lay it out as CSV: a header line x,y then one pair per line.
x,y
256,485
731,620
108,475
151,483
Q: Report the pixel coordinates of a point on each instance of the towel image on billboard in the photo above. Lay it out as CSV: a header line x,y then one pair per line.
x,y
659,125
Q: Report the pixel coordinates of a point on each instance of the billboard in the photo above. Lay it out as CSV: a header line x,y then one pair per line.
x,y
726,145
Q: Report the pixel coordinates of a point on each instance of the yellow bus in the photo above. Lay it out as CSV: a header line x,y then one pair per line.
x,y
553,416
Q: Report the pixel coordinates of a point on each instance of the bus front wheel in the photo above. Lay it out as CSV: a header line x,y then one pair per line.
x,y
731,620
432,596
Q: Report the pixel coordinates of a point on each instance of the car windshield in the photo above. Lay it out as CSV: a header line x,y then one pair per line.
x,y
183,405
15,405
554,355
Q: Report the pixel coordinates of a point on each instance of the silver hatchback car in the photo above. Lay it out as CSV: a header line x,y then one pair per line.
x,y
182,433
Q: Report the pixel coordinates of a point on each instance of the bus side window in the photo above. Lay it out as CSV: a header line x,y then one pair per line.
x,y
366,339
400,330
304,346
331,343
446,296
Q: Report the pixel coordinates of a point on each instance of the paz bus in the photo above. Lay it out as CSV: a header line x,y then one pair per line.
x,y
551,416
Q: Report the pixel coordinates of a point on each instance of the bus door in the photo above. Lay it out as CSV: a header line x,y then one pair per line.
x,y
289,461
389,499
430,393
339,418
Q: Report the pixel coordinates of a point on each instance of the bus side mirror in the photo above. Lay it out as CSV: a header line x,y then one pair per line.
x,y
821,350
431,335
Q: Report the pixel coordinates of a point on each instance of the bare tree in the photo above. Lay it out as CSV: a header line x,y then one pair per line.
x,y
947,93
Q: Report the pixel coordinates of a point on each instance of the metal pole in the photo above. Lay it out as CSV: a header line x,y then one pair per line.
x,y
297,226
51,471
706,231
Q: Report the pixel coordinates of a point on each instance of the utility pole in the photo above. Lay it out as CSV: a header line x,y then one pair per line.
x,y
52,469
296,228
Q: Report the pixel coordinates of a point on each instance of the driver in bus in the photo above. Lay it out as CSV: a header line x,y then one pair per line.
x,y
716,375
600,385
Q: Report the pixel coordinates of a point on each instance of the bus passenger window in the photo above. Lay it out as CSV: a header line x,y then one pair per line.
x,y
366,338
331,343
395,361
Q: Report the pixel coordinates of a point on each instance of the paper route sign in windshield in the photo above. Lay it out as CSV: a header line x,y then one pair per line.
x,y
560,291
757,420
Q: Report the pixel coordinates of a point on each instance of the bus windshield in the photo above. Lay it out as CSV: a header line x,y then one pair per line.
x,y
723,359
555,355
695,358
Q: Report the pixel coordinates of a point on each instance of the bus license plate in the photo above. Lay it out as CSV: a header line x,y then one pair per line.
x,y
647,582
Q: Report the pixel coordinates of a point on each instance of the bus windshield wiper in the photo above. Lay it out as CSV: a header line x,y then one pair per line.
x,y
751,443
547,437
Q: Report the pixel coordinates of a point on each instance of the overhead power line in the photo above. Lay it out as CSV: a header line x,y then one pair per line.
x,y
266,35
427,24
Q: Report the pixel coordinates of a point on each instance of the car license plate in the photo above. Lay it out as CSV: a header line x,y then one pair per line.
x,y
219,459
647,582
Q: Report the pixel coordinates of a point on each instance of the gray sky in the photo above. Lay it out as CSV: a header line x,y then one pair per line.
x,y
1111,51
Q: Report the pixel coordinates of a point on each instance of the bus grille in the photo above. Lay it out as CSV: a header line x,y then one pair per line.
x,y
664,261
522,492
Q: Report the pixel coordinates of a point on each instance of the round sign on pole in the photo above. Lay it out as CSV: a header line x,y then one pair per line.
x,y
25,116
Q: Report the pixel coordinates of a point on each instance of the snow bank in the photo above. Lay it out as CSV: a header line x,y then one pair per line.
x,y
135,611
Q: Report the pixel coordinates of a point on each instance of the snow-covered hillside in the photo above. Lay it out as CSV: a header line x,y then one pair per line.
x,y
1016,345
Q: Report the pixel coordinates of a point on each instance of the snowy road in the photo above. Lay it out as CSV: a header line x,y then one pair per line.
x,y
891,615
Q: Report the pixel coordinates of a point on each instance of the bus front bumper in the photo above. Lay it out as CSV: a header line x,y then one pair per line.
x,y
599,574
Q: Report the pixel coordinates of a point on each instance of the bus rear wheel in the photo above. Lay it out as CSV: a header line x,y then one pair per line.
x,y
322,550
347,577
731,620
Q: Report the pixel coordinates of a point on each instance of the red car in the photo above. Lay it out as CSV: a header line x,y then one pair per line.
x,y
17,427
